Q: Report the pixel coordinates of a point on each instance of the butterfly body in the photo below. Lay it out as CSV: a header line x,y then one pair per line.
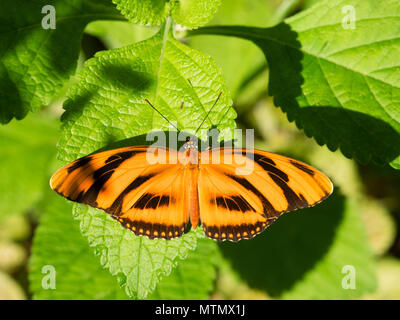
x,y
234,193
191,164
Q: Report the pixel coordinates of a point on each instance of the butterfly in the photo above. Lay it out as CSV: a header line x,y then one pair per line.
x,y
159,199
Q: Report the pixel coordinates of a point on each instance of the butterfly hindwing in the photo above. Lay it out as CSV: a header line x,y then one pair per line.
x,y
159,209
146,198
245,191
229,210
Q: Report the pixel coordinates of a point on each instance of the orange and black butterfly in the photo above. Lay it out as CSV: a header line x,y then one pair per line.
x,y
159,199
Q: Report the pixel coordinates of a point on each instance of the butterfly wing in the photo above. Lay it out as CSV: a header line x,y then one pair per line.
x,y
240,194
149,199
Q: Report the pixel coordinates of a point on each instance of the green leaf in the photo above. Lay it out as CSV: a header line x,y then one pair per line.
x,y
194,13
107,104
35,62
189,13
59,244
302,255
308,3
26,150
146,12
116,34
238,58
340,85
138,262
193,278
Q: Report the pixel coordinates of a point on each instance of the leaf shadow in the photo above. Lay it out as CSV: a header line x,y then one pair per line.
x,y
277,259
25,37
360,135
170,139
142,140
123,76
61,46
357,134
11,102
118,75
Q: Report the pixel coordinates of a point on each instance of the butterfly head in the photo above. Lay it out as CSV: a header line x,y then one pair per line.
x,y
190,144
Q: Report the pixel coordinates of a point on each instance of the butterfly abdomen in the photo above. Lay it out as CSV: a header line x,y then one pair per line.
x,y
193,194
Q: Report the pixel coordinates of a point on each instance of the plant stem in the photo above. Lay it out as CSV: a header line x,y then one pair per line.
x,y
283,10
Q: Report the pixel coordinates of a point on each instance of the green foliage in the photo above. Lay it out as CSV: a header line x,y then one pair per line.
x,y
79,274
189,13
58,243
107,104
27,148
138,262
246,58
194,277
34,62
301,256
147,12
116,34
339,85
194,13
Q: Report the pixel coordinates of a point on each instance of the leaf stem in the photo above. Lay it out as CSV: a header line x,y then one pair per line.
x,y
285,8
164,41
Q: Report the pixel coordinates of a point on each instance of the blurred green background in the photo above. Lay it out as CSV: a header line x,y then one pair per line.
x,y
28,158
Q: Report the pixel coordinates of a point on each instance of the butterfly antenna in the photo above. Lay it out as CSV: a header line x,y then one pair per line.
x,y
161,114
226,112
208,113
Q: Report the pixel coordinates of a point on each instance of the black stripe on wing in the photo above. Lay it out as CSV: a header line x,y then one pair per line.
x,y
116,207
232,203
281,179
100,176
268,208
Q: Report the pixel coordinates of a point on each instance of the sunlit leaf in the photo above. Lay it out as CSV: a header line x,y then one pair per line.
x,y
108,104
339,84
189,13
193,278
238,58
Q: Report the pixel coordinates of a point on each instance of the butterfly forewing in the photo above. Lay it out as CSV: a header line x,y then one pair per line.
x,y
147,198
240,196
